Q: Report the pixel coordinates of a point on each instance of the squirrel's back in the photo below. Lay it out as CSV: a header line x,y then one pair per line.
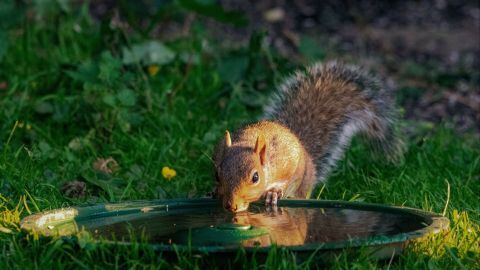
x,y
326,105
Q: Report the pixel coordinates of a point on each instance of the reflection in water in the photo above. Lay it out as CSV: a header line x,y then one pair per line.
x,y
297,226
286,226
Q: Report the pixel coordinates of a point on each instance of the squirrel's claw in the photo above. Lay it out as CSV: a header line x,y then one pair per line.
x,y
272,196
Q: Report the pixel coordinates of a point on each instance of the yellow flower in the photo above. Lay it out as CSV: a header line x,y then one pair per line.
x,y
153,70
168,173
20,124
28,126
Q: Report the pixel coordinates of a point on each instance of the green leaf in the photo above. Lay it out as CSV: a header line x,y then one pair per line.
x,y
45,8
127,97
112,186
233,69
133,118
43,107
215,11
11,13
46,151
311,50
86,72
251,97
109,68
65,5
187,57
407,93
44,147
410,68
109,99
150,52
3,44
256,42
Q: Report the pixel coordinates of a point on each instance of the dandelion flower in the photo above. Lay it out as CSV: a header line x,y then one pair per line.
x,y
153,70
168,173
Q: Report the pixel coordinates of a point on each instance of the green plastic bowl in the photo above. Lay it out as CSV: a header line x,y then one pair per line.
x,y
201,225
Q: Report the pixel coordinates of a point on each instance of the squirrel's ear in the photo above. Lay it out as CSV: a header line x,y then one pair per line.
x,y
228,139
261,149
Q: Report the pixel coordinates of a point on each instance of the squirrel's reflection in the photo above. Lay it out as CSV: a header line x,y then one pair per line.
x,y
297,226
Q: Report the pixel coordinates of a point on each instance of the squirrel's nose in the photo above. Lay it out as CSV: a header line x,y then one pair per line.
x,y
231,207
227,205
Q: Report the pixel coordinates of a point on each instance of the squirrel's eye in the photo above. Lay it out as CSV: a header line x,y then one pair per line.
x,y
255,178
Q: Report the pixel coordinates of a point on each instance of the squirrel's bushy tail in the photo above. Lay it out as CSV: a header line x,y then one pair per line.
x,y
327,104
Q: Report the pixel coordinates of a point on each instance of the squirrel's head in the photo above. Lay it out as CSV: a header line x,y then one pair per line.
x,y
240,172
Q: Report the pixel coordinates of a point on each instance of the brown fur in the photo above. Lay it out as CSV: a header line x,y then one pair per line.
x,y
235,164
309,126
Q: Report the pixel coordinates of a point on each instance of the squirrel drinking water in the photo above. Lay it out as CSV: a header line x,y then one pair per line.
x,y
306,129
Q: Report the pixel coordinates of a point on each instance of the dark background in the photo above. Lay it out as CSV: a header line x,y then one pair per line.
x,y
430,49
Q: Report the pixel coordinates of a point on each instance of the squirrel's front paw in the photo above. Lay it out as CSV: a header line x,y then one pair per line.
x,y
272,196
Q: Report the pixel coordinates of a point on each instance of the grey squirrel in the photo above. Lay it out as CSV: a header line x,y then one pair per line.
x,y
306,128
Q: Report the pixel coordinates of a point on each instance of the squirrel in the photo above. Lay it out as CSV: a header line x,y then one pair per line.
x,y
304,132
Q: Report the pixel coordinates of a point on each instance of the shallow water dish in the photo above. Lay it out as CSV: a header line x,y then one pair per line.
x,y
202,225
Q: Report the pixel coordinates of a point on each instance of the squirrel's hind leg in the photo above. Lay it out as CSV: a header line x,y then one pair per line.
x,y
309,179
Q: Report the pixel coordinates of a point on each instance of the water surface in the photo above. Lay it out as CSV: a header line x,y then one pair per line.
x,y
260,226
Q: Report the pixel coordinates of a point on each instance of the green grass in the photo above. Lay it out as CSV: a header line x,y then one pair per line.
x,y
73,98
